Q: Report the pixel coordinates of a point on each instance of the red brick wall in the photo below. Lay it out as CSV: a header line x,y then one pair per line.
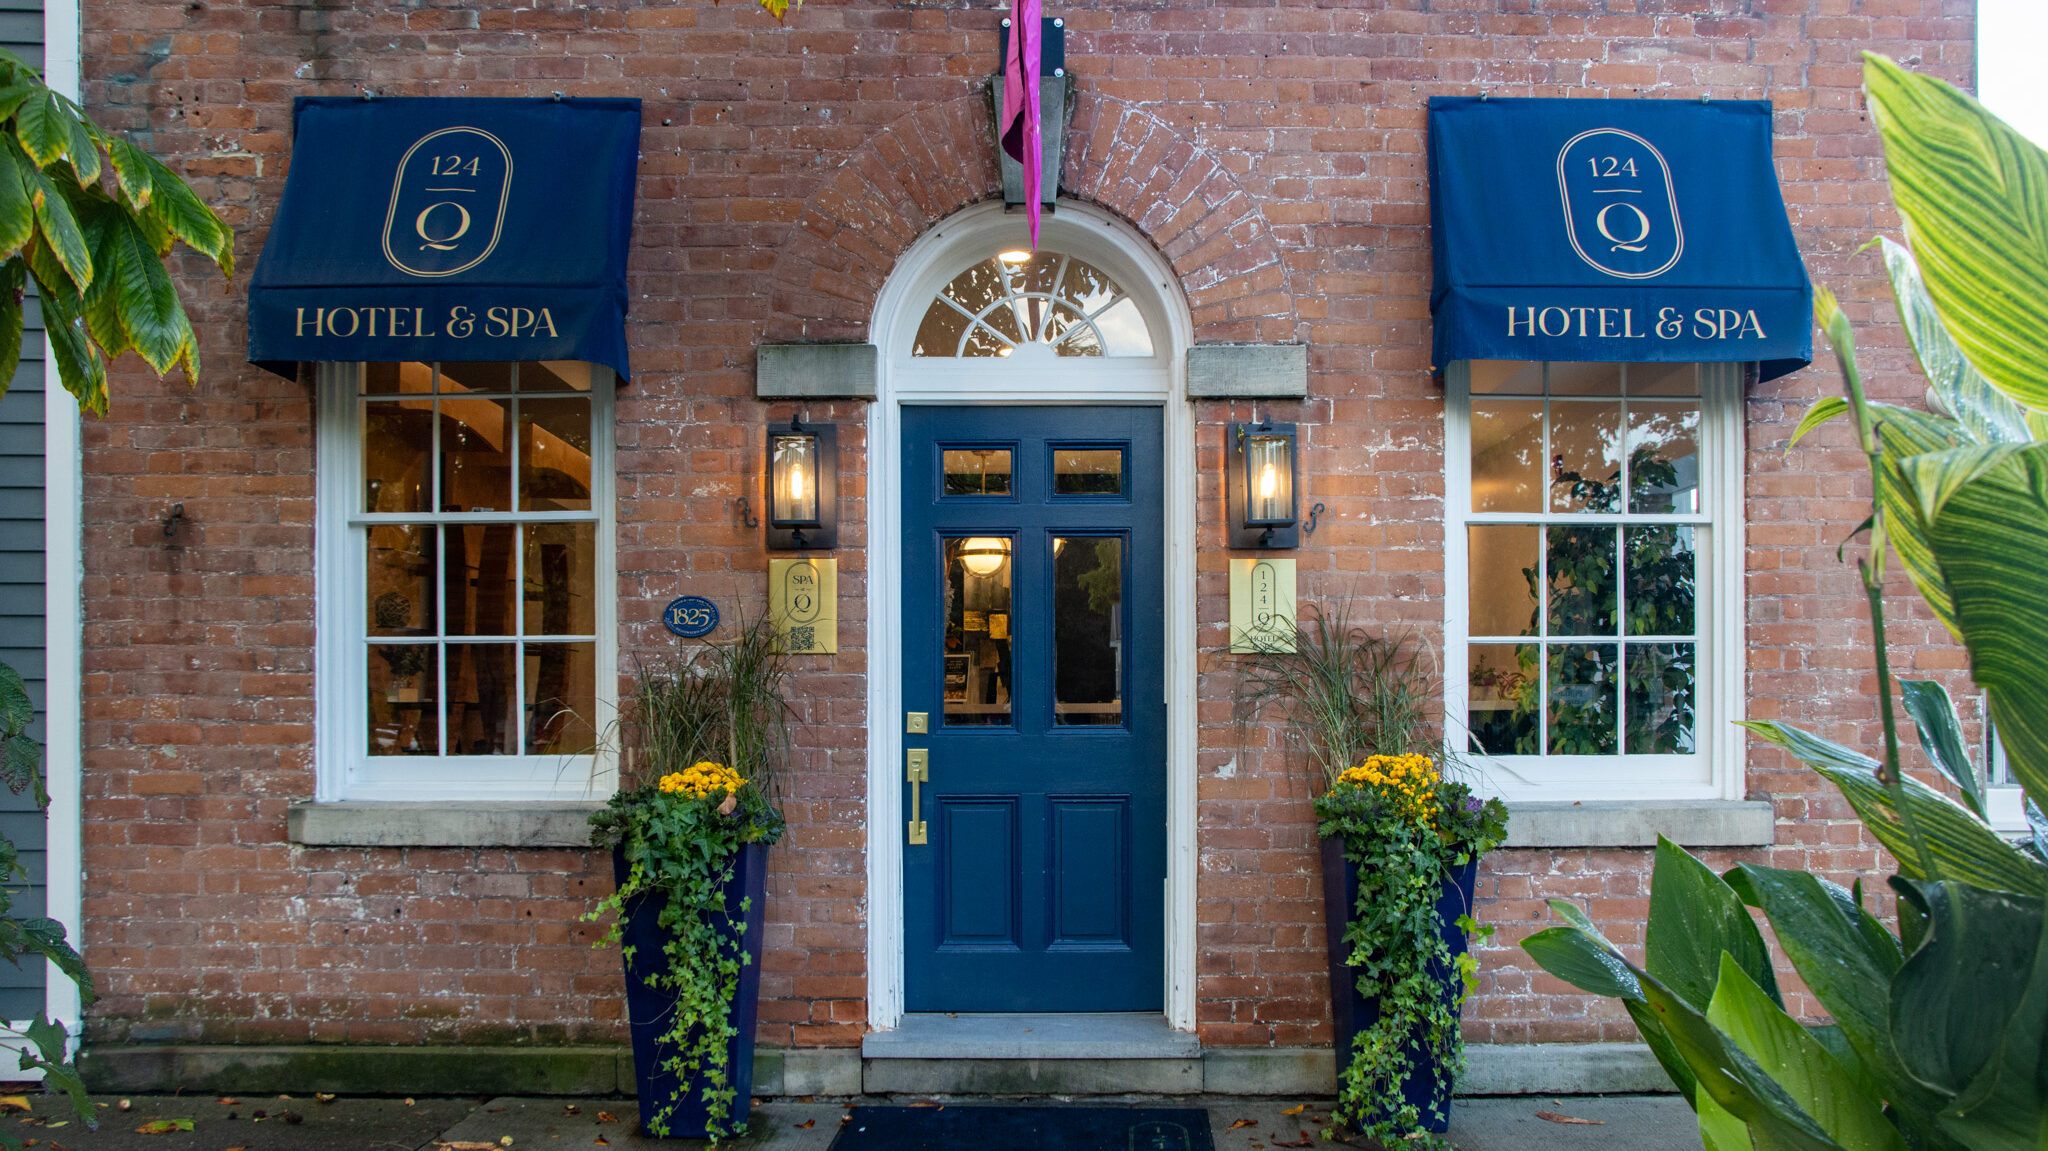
x,y
1275,156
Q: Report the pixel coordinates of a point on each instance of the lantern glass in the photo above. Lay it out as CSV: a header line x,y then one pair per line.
x,y
794,469
1269,479
984,555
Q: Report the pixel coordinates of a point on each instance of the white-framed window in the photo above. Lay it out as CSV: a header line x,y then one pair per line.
x,y
1593,543
466,581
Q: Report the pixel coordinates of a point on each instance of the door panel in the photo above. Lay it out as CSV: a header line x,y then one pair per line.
x,y
1033,639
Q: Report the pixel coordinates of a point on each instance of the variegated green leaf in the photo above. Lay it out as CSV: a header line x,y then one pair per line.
x,y
1974,194
1990,533
1902,434
1824,409
1963,846
1941,737
1961,392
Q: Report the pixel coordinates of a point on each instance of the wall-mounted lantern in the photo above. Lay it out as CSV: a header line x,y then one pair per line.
x,y
1260,487
803,487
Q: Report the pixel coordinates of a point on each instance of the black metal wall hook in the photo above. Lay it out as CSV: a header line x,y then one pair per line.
x,y
172,519
747,516
1309,528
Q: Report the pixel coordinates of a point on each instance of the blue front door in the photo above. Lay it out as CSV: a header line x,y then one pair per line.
x,y
1033,588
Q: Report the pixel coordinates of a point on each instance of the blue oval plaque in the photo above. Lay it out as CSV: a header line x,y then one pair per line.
x,y
690,616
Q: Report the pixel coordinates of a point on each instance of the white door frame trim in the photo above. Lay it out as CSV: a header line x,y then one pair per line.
x,y
941,253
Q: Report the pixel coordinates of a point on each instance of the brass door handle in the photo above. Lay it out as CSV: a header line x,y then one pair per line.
x,y
917,771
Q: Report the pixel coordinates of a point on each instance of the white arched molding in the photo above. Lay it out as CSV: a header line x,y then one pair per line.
x,y
1159,380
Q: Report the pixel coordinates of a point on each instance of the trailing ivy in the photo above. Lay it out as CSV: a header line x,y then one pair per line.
x,y
710,731
1408,831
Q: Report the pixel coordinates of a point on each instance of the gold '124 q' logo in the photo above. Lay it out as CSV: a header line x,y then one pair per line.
x,y
1620,205
447,202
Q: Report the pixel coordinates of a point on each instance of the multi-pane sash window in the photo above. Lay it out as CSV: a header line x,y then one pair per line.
x,y
474,556
1585,500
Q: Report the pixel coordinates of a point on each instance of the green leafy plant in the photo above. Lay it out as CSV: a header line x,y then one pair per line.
x,y
1356,708
707,733
1936,1033
88,219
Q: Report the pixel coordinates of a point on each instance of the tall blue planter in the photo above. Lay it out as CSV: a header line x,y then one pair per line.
x,y
648,1008
1354,1013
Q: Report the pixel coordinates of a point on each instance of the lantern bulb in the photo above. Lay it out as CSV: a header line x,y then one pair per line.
x,y
1269,482
796,484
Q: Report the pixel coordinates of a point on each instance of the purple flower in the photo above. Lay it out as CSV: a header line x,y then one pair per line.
x,y
1472,803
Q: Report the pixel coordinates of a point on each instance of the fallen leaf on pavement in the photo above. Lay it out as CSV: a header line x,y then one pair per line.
x,y
607,1117
1244,1123
601,1141
808,1124
164,1126
14,1103
467,1145
243,1147
571,1109
1295,1110
408,1101
323,1096
226,1101
1304,1141
1554,1117
504,1140
123,1105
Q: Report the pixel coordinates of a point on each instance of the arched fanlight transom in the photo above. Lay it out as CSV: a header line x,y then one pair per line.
x,y
1040,301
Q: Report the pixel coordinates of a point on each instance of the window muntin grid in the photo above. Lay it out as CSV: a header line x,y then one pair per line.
x,y
1584,534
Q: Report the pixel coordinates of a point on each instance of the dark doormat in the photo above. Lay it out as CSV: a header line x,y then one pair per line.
x,y
1025,1129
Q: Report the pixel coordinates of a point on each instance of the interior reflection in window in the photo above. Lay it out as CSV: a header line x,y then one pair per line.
x,y
977,645
1087,631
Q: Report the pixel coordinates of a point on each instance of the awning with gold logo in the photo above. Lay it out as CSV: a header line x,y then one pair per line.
x,y
1612,230
462,229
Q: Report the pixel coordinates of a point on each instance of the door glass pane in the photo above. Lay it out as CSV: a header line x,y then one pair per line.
x,y
977,471
1582,703
398,440
1501,717
1663,380
1585,454
1087,631
1507,456
390,379
561,698
554,376
977,644
405,717
483,718
1660,698
491,376
1582,579
476,455
477,578
400,579
554,455
1658,590
1506,377
1503,577
1597,379
1087,471
561,565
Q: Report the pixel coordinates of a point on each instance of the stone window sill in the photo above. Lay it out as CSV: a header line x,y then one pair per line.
x,y
1638,823
544,824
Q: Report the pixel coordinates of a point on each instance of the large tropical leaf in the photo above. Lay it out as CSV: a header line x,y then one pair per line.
x,y
1821,928
1734,1080
1696,921
1941,737
1963,846
1970,1011
1954,386
1990,531
1974,194
1581,956
1829,1093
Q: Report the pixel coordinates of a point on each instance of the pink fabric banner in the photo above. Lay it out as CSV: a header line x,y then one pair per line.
x,y
1022,135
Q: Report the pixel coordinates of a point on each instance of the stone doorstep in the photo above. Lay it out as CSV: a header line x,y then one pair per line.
x,y
1530,1069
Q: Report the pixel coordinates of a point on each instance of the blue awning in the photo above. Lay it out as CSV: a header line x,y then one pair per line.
x,y
1604,230
450,229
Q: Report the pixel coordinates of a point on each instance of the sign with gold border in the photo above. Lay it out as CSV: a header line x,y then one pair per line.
x,y
803,604
1262,605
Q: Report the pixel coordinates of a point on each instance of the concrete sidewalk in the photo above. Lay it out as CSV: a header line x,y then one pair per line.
x,y
1623,1123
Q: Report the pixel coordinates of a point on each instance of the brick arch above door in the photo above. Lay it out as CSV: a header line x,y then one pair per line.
x,y
854,227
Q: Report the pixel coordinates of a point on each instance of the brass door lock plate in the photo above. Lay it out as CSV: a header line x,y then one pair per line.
x,y
916,723
917,772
